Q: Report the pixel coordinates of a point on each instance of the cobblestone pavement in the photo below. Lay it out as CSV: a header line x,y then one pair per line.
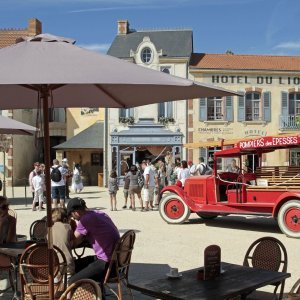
x,y
160,246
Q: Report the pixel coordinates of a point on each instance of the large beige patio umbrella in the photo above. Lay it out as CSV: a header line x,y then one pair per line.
x,y
50,71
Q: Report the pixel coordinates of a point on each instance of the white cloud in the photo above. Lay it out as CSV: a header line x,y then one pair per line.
x,y
95,47
289,45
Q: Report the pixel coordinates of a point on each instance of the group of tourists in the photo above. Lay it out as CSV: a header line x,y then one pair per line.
x,y
146,180
60,174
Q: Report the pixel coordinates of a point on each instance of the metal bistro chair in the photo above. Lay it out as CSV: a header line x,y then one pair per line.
x,y
84,289
118,268
268,253
34,270
7,267
38,231
12,213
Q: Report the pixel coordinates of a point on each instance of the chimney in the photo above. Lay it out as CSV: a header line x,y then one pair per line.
x,y
123,27
34,27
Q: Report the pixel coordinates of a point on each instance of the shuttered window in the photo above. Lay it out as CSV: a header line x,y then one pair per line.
x,y
126,112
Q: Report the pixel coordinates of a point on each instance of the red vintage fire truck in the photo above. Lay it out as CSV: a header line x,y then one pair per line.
x,y
268,191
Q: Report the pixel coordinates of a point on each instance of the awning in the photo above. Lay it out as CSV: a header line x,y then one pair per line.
x,y
90,138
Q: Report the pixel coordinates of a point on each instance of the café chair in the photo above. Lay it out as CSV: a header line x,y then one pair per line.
x,y
6,267
84,289
294,293
12,213
268,253
118,268
38,231
34,270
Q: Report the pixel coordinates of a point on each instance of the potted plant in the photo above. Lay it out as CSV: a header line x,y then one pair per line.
x,y
166,120
126,120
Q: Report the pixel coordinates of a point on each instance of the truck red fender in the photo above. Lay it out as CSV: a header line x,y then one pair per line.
x,y
282,199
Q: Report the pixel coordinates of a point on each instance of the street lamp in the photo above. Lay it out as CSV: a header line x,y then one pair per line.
x,y
4,147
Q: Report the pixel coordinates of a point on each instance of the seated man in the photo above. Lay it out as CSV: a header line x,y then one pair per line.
x,y
101,233
7,223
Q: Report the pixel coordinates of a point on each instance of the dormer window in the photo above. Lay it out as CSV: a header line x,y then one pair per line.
x,y
146,55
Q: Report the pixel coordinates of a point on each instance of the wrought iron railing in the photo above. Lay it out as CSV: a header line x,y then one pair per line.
x,y
289,122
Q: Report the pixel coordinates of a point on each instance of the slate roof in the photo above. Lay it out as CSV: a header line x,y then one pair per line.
x,y
244,62
90,138
173,43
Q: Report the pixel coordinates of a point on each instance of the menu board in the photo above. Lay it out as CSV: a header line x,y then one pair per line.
x,y
212,262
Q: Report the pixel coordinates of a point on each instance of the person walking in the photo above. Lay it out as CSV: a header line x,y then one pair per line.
x,y
38,185
58,184
149,185
203,168
77,185
134,188
68,175
184,172
125,190
113,188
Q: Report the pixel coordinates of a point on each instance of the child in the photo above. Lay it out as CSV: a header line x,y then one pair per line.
x,y
38,186
113,189
63,237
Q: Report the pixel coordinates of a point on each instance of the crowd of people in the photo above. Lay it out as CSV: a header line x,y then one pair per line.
x,y
61,175
146,180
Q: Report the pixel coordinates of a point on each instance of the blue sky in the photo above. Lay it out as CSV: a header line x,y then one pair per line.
x,y
243,26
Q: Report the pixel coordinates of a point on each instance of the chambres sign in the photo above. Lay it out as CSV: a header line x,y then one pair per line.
x,y
270,141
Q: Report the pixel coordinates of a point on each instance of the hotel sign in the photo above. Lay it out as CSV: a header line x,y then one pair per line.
x,y
236,79
269,141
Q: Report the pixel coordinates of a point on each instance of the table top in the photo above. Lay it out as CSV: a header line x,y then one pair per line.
x,y
235,280
13,249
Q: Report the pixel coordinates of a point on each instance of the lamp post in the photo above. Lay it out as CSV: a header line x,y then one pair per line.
x,y
4,146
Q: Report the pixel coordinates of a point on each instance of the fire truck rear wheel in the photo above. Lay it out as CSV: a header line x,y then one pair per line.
x,y
173,210
207,216
289,218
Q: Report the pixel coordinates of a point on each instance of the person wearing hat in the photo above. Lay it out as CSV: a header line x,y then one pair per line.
x,y
102,234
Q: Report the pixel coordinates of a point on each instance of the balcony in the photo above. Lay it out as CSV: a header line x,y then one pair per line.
x,y
290,122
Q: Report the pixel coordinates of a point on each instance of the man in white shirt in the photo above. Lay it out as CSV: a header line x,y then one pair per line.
x,y
203,168
149,185
58,181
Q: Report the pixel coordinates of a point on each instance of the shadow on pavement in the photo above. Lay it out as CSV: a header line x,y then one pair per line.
x,y
252,223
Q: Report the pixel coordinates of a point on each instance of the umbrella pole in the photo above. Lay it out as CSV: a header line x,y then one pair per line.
x,y
44,98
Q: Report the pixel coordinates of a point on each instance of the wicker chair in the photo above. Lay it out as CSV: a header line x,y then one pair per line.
x,y
268,253
38,231
84,289
34,269
119,265
12,213
6,266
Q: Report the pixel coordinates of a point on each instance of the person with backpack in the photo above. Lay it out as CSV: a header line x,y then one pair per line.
x,y
58,181
203,168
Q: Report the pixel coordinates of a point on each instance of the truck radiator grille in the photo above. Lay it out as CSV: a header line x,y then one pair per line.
x,y
196,190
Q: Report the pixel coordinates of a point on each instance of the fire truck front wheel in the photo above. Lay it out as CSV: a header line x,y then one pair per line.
x,y
289,218
173,210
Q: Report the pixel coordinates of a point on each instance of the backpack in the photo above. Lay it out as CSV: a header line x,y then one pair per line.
x,y
193,170
56,175
206,170
140,180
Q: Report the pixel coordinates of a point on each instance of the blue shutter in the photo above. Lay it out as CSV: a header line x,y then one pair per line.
x,y
229,108
202,109
267,106
284,104
170,109
161,109
203,153
241,107
122,112
130,112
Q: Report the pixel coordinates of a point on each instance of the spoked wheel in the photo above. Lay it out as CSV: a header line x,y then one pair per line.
x,y
173,209
289,218
207,216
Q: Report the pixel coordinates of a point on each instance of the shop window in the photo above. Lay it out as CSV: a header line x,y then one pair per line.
x,y
96,159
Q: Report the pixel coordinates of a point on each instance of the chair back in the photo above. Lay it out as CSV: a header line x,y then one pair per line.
x,y
34,270
12,213
38,231
119,265
267,253
84,289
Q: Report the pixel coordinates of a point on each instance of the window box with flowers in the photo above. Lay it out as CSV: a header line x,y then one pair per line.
x,y
126,120
166,120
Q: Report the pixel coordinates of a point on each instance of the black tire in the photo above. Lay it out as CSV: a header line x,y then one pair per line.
x,y
289,218
173,210
206,216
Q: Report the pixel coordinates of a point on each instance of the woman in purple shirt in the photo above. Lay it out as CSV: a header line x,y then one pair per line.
x,y
102,234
